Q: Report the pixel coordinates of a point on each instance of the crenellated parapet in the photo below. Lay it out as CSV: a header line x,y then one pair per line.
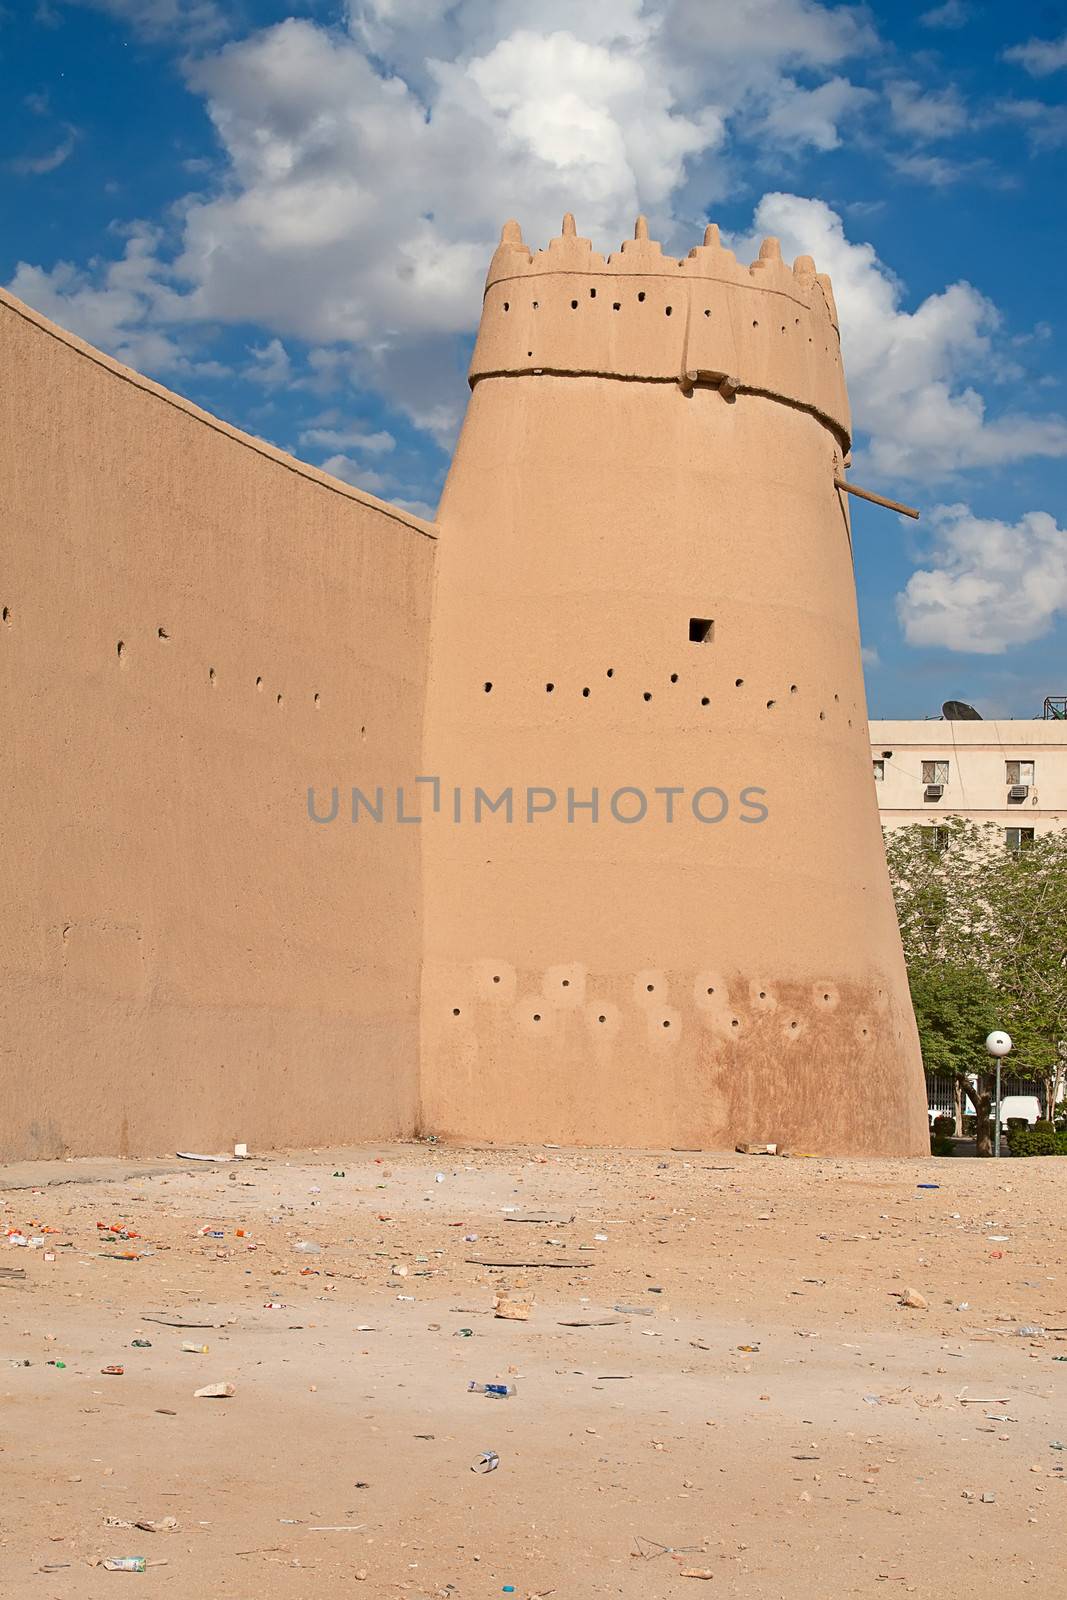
x,y
707,318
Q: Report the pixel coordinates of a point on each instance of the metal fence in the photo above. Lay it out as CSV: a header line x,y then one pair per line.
x,y
940,1092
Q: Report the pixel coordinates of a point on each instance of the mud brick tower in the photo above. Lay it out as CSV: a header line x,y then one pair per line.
x,y
645,610
651,905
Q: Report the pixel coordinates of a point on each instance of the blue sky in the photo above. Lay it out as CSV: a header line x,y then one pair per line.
x,y
285,210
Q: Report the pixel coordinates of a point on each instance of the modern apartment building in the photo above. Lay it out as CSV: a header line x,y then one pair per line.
x,y
1011,773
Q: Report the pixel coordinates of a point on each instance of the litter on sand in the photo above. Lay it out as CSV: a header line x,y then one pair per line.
x,y
588,1322
481,1261
512,1309
557,1219
214,1391
171,1322
651,1549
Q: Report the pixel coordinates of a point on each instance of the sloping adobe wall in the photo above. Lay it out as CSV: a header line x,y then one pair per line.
x,y
196,629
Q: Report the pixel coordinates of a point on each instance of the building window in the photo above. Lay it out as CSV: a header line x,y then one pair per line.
x,y
1018,839
935,771
879,770
936,839
1018,772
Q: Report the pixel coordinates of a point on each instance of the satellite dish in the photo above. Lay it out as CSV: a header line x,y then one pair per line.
x,y
960,711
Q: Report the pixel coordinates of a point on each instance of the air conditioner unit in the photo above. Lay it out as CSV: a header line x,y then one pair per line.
x,y
1018,791
933,791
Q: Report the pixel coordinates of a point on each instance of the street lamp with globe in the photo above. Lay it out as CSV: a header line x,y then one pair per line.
x,y
998,1044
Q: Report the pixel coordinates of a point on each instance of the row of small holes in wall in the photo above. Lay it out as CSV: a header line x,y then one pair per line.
x,y
616,305
735,1022
705,700
212,676
796,323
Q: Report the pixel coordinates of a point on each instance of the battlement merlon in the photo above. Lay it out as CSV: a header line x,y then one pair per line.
x,y
707,318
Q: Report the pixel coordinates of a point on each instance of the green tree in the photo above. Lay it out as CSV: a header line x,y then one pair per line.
x,y
984,930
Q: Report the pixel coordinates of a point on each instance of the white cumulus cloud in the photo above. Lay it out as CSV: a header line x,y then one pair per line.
x,y
907,370
989,585
365,171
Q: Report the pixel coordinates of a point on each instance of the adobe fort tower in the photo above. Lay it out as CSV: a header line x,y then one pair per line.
x,y
645,629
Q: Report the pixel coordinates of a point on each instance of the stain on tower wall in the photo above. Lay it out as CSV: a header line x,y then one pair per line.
x,y
196,629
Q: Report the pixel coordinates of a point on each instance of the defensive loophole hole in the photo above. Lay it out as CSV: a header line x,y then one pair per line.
x,y
549,687
602,1019
488,688
317,701
822,716
666,1024
771,704
211,676
279,699
793,1024
120,649
641,294
711,991
259,684
738,682
701,630
755,324
574,305
7,614
707,311
566,982
651,987
646,695
616,305
666,312
792,688
496,977
592,294
585,694
704,701
674,677
734,1023
507,307
537,1016
763,994
611,672
161,633
455,1011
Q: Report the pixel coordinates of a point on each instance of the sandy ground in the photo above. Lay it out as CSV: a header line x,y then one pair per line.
x,y
832,1458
